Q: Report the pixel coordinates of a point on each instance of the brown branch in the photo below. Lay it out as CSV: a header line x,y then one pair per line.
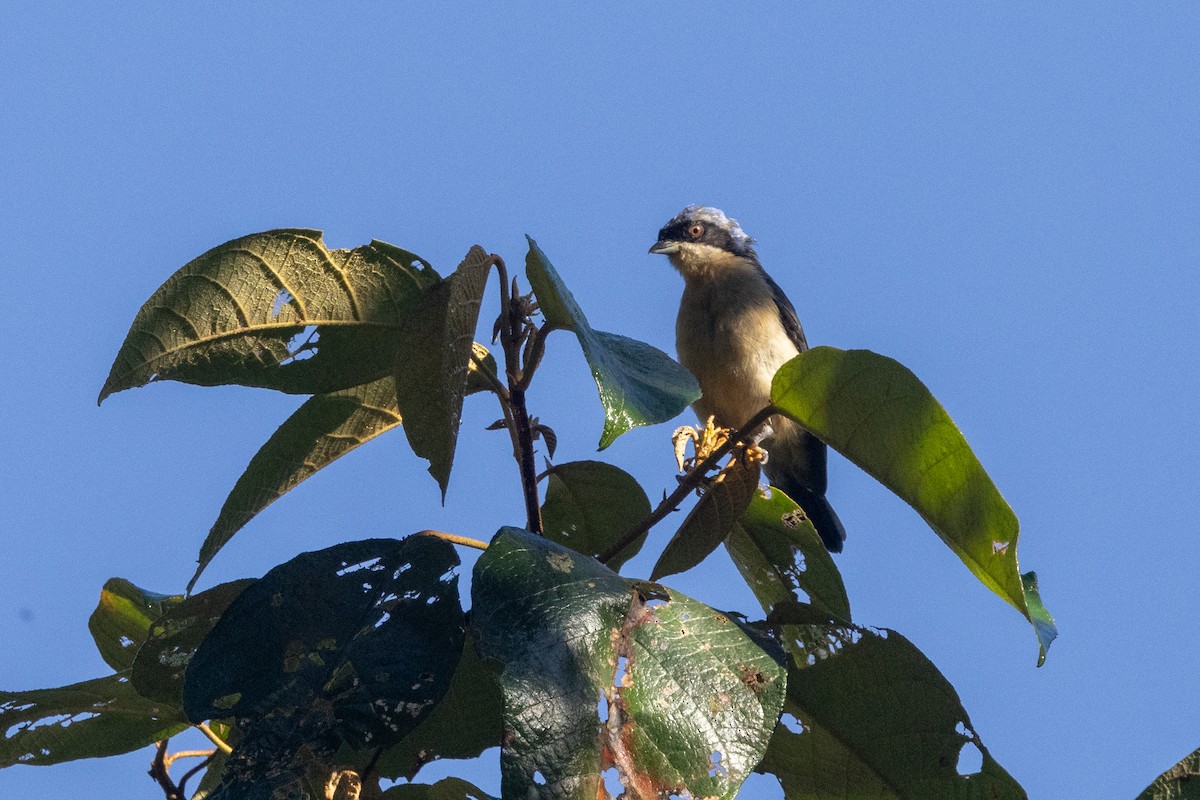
x,y
159,772
187,776
453,538
688,484
533,507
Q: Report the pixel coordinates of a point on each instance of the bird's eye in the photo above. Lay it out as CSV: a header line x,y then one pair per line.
x,y
696,231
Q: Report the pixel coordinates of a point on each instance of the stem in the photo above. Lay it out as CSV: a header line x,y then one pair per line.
x,y
187,776
536,351
533,508
160,773
688,484
173,757
493,381
212,737
453,538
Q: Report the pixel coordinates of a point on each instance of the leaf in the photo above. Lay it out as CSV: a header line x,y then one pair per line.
x,y
867,715
876,413
689,698
1180,782
445,789
101,717
241,313
325,428
781,555
122,620
711,520
172,640
464,723
353,644
590,505
639,384
433,361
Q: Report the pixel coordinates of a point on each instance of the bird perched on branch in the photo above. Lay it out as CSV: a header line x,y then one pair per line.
x,y
736,327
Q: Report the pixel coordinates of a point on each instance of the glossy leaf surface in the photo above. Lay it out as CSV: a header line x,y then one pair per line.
x,y
590,505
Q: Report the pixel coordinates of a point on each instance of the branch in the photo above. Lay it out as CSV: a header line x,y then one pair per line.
x,y
453,538
688,484
160,773
212,737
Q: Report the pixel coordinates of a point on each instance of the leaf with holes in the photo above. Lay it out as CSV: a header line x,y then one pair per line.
x,y
172,640
590,505
712,519
867,715
434,357
122,620
1180,782
780,555
277,310
639,384
687,698
876,413
353,644
445,789
101,717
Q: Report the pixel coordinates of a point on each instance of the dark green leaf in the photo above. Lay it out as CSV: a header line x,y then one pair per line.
x,y
466,722
689,698
354,644
240,313
706,526
874,411
639,384
122,620
590,505
173,638
1180,782
867,715
434,359
445,789
102,717
780,554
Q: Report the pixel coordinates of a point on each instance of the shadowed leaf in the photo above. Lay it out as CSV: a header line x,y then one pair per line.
x,y
122,620
445,789
277,310
687,698
1180,782
876,413
711,520
102,717
639,384
433,362
590,505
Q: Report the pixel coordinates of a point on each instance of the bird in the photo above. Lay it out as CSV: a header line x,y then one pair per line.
x,y
735,328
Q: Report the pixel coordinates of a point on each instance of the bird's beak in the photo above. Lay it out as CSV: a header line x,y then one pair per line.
x,y
665,248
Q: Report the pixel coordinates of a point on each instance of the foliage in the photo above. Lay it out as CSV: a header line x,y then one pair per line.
x,y
357,663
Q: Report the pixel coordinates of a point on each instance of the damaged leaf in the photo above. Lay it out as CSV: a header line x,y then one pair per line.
x,y
122,620
590,505
601,673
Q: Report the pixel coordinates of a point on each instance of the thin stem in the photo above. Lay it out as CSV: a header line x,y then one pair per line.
x,y
689,483
454,538
212,737
493,380
159,772
536,351
533,508
173,757
187,776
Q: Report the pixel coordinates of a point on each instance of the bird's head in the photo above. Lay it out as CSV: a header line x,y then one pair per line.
x,y
701,241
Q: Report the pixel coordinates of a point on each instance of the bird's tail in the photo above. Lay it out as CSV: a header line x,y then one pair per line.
x,y
819,513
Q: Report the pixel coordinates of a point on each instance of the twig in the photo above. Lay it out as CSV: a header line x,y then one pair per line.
x,y
159,772
453,538
536,350
688,484
173,757
187,776
212,737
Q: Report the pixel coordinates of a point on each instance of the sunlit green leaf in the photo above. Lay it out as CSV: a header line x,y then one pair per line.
x,y
1180,782
639,384
122,620
688,697
782,557
278,310
445,789
434,357
590,505
876,413
102,717
711,520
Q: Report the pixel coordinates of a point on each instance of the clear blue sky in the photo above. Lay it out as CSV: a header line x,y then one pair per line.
x,y
1003,196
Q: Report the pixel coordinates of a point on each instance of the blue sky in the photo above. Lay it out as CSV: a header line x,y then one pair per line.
x,y
1002,196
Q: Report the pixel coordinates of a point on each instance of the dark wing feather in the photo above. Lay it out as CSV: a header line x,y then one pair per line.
x,y
787,313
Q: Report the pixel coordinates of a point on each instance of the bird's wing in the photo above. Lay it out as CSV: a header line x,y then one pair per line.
x,y
787,314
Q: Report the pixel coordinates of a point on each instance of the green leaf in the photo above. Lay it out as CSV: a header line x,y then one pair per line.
x,y
434,359
711,520
464,723
122,620
689,698
876,413
1180,782
445,789
240,314
353,644
92,719
782,557
173,638
590,505
639,384
867,715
